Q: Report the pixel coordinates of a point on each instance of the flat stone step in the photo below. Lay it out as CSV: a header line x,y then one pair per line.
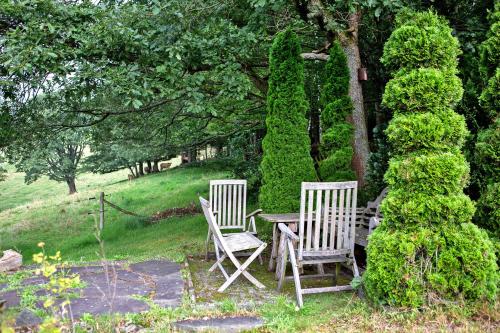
x,y
226,325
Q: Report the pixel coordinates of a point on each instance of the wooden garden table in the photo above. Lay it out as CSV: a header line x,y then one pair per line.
x,y
291,220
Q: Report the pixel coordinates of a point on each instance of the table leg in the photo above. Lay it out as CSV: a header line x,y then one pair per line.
x,y
279,258
274,250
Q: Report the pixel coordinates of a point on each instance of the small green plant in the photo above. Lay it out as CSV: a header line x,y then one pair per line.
x,y
59,289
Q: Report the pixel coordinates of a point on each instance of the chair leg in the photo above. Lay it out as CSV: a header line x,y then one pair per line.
x,y
281,267
337,273
241,269
219,261
296,277
207,243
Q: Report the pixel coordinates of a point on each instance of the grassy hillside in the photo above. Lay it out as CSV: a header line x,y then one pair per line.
x,y
43,211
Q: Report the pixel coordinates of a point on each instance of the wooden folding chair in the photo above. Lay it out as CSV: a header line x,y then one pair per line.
x,y
326,234
226,246
228,201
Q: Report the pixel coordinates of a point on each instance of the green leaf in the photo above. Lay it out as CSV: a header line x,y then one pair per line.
x,y
136,103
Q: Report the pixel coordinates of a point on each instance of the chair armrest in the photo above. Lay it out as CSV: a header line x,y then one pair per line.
x,y
255,212
374,222
284,229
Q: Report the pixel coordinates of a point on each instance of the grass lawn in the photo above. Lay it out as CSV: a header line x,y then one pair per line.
x,y
44,212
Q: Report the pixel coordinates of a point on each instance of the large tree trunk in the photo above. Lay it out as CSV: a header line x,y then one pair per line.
x,y
141,169
136,170
149,170
132,171
71,185
155,166
349,42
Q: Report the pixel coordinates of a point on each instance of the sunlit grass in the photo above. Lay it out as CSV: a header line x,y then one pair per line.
x,y
67,223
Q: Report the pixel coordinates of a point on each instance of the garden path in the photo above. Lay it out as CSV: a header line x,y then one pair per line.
x,y
124,288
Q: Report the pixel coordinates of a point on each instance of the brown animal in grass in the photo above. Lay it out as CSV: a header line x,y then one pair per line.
x,y
130,177
165,166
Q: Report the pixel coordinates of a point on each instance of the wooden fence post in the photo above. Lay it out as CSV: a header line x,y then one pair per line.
x,y
101,211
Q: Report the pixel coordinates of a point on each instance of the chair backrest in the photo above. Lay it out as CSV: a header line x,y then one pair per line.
x,y
228,200
327,218
209,216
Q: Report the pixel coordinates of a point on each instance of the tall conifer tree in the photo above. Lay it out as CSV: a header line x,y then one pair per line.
x,y
286,161
337,136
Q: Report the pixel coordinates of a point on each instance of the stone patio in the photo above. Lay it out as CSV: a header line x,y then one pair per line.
x,y
117,291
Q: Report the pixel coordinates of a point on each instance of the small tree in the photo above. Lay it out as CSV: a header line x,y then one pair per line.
x,y
426,248
286,160
337,136
56,157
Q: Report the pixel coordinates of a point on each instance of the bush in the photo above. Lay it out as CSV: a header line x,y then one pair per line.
x,y
286,161
407,210
427,265
422,40
427,132
378,163
487,152
488,209
429,174
422,90
426,249
336,150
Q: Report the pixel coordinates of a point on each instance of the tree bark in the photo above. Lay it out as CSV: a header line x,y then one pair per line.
x,y
71,185
141,169
149,166
132,171
349,42
155,166
314,56
136,170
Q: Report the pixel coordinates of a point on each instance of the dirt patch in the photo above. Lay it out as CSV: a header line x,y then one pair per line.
x,y
191,209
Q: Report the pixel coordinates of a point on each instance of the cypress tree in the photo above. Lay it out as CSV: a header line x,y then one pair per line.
x,y
426,247
337,133
286,160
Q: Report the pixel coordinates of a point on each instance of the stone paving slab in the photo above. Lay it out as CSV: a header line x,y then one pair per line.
x,y
226,325
111,290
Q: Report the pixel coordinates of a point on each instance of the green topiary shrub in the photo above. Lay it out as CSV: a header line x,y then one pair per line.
x,y
336,150
426,249
413,268
421,41
286,161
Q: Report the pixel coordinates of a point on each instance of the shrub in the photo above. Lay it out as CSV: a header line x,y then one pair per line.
x,y
336,149
444,131
488,209
454,261
426,249
378,163
423,40
487,152
422,89
286,161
